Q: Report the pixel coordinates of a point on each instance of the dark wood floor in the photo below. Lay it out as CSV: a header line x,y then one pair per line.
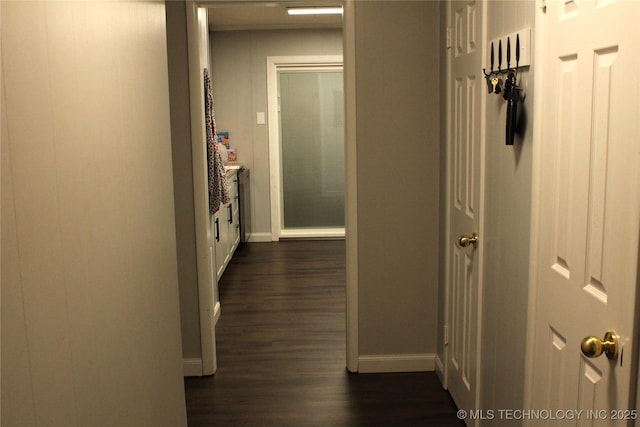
x,y
281,351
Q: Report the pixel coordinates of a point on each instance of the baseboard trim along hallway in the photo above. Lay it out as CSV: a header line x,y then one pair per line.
x,y
397,363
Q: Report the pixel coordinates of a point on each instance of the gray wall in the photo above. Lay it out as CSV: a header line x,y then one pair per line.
x,y
90,318
398,175
240,90
507,227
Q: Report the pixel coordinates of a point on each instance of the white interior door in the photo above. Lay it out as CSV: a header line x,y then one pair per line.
x,y
465,87
588,206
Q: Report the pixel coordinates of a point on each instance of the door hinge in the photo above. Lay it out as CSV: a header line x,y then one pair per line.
x,y
448,37
446,335
278,103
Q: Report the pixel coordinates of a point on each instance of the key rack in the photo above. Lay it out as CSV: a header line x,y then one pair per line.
x,y
516,44
520,43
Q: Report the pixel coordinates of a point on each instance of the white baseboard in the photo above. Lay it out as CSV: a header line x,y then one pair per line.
x,y
440,371
192,367
397,363
313,233
259,237
337,233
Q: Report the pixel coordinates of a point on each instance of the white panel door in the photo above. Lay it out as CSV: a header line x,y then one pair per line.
x,y
589,206
465,85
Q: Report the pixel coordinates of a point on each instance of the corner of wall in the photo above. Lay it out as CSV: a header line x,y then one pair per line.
x,y
192,367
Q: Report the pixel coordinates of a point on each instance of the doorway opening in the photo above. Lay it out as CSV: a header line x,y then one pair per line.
x,y
238,48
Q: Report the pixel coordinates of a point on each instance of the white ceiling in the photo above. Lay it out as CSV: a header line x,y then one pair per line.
x,y
267,15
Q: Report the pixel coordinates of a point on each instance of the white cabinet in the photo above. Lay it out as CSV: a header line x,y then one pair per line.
x,y
225,226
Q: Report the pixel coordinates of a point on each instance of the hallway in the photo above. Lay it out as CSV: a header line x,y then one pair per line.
x,y
281,350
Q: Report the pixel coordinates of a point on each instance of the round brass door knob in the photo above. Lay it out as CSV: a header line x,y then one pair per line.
x,y
465,240
594,347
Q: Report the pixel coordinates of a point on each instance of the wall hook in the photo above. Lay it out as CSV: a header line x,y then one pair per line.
x,y
484,70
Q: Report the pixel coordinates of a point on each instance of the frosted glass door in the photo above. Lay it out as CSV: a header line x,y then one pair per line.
x,y
312,148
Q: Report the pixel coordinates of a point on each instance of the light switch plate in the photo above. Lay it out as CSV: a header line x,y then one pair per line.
x,y
260,119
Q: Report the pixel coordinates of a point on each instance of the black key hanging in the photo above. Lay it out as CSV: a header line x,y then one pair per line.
x,y
512,95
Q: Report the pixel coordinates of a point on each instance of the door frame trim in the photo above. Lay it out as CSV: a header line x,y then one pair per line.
x,y
275,64
198,54
536,195
351,184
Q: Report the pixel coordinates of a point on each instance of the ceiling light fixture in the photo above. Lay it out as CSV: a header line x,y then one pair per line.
x,y
336,10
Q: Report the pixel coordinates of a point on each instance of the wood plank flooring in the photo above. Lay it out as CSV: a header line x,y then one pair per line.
x,y
281,351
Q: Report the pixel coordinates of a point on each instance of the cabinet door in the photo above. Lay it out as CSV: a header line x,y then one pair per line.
x,y
227,214
236,223
234,213
217,228
225,226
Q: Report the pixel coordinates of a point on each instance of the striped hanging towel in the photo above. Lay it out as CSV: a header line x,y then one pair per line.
x,y
218,186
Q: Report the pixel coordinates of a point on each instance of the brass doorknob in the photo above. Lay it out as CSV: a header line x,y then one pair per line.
x,y
593,347
465,240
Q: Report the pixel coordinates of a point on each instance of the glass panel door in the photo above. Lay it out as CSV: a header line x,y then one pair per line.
x,y
312,148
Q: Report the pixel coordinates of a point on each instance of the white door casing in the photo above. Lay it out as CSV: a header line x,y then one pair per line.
x,y
465,100
586,207
209,306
